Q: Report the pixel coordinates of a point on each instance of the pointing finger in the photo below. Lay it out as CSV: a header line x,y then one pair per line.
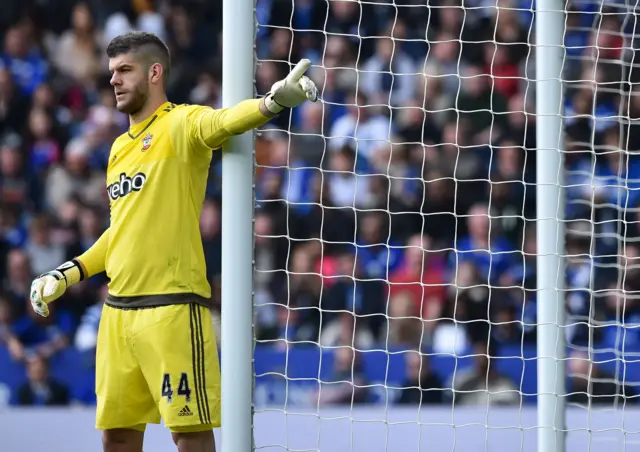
x,y
298,71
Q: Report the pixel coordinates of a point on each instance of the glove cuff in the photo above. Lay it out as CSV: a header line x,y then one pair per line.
x,y
273,106
70,271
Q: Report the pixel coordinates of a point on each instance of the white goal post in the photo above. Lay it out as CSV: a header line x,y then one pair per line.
x,y
442,253
550,249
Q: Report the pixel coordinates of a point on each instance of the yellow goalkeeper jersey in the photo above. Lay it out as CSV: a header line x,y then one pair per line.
x,y
156,181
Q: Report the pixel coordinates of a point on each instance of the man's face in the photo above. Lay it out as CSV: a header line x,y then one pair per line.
x,y
15,42
130,82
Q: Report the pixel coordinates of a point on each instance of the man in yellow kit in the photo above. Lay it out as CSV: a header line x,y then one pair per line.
x,y
156,354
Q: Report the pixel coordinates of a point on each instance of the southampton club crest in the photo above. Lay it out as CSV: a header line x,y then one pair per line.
x,y
146,142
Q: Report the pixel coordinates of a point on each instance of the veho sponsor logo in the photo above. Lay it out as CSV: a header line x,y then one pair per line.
x,y
125,185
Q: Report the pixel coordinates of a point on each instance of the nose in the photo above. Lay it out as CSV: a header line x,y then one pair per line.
x,y
115,80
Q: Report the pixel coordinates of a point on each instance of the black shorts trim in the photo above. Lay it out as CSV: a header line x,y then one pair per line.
x,y
198,362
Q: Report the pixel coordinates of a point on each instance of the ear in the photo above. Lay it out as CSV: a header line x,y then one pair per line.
x,y
155,73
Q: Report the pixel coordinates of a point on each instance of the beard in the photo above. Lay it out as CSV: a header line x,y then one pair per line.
x,y
134,100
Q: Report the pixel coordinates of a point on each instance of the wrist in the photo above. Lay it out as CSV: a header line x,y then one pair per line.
x,y
71,271
272,106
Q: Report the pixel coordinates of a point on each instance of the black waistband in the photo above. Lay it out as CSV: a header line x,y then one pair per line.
x,y
155,301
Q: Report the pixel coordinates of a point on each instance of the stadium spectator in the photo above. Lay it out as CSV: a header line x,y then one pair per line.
x,y
444,63
17,280
13,103
439,207
489,253
356,303
41,389
389,74
590,385
347,383
405,328
347,189
15,187
300,299
422,277
74,177
422,386
483,384
77,53
41,249
380,254
23,60
46,337
363,129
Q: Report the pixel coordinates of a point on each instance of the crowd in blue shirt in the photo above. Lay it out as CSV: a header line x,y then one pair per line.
x,y
395,211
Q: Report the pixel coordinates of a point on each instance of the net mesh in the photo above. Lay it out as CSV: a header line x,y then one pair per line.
x,y
395,259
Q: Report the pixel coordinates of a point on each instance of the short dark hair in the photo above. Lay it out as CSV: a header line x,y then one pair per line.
x,y
148,45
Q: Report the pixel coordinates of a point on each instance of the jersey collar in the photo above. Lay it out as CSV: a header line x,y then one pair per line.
x,y
138,129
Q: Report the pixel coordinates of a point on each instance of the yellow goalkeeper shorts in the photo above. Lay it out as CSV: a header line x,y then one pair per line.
x,y
157,363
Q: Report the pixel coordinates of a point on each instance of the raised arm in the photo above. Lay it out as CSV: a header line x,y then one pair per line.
x,y
213,127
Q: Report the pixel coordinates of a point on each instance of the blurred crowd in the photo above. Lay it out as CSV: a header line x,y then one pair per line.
x,y
396,213
400,209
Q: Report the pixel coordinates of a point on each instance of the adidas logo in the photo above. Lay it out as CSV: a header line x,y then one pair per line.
x,y
185,411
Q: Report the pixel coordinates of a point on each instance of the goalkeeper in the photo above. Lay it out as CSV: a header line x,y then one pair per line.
x,y
156,352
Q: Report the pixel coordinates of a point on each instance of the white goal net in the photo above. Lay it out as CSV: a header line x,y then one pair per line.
x,y
395,233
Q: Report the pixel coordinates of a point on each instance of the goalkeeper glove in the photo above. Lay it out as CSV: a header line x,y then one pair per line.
x,y
51,285
293,90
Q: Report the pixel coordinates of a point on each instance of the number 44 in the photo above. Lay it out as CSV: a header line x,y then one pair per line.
x,y
183,387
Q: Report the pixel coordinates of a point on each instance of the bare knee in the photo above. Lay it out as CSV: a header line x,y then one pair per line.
x,y
122,440
194,441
